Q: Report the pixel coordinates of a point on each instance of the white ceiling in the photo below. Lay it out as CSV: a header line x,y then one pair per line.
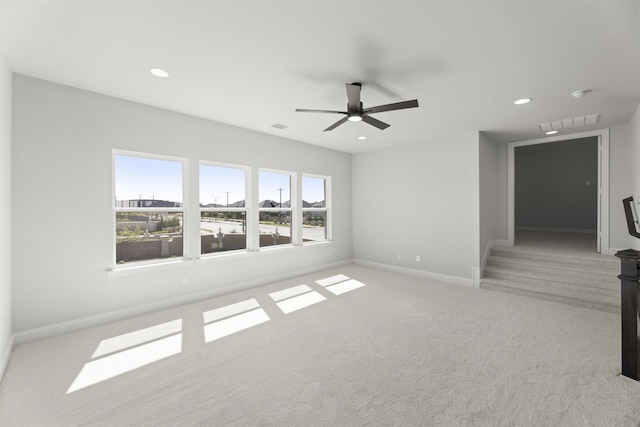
x,y
252,63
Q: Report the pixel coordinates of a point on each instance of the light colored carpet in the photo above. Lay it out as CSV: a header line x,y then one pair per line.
x,y
399,351
556,241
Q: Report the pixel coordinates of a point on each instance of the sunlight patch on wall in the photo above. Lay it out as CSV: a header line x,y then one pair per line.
x,y
340,284
129,352
228,320
296,298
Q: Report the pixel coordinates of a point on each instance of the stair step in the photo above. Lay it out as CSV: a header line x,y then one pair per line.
x,y
555,267
560,289
507,286
568,259
581,279
593,283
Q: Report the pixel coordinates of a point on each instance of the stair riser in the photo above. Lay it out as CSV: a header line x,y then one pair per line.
x,y
608,263
570,270
589,284
561,289
570,301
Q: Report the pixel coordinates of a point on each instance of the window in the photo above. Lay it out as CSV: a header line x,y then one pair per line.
x,y
314,209
152,222
275,208
148,208
223,215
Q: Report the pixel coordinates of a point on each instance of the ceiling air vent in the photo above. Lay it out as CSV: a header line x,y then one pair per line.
x,y
279,126
573,122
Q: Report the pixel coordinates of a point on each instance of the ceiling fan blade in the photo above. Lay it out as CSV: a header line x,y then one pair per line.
x,y
375,122
390,107
353,96
304,110
336,124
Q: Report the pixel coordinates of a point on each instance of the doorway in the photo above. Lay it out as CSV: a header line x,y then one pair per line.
x,y
558,192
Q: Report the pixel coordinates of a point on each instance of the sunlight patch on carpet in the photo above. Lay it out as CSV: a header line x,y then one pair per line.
x,y
296,298
232,318
339,284
231,325
130,351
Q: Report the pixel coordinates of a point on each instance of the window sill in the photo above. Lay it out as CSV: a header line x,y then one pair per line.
x,y
138,268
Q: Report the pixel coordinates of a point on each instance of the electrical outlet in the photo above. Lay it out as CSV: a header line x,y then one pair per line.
x,y
417,258
185,280
399,255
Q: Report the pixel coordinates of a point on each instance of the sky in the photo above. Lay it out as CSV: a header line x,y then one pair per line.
x,y
139,177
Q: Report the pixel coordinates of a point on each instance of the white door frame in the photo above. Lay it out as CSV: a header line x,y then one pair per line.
x,y
603,182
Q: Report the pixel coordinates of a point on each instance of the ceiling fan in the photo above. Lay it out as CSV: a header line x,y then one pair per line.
x,y
355,112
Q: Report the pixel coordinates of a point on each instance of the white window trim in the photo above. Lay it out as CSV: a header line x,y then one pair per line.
x,y
183,209
327,209
246,209
294,201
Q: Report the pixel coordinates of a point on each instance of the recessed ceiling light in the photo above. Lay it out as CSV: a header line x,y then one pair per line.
x,y
362,137
551,132
522,101
159,72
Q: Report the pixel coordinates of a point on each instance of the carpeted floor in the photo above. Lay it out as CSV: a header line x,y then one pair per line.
x,y
385,349
550,241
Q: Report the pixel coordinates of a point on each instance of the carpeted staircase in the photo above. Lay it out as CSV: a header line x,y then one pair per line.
x,y
581,279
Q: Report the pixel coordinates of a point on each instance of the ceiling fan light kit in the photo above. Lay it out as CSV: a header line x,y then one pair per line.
x,y
355,111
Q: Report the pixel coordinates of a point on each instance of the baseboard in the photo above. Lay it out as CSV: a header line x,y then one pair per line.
x,y
419,273
558,230
476,275
6,355
112,316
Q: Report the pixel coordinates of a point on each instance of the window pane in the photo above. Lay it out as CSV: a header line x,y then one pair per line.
x,y
143,236
221,186
222,231
313,193
144,182
275,228
314,226
275,189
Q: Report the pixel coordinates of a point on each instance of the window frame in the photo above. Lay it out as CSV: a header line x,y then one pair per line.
x,y
183,209
291,210
326,209
246,209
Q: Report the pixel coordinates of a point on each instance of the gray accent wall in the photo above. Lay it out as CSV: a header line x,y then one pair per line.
x,y
556,185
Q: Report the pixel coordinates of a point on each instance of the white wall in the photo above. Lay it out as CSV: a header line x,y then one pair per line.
x,y
489,207
62,207
420,199
619,185
634,164
5,213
